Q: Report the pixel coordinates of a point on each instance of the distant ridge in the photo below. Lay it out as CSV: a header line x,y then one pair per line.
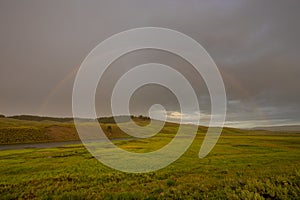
x,y
36,129
290,128
70,119
41,118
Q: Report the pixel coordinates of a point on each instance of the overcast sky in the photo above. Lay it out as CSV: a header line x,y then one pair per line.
x,y
255,45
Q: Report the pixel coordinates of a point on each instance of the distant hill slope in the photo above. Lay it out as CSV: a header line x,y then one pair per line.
x,y
70,119
14,131
290,128
39,118
35,129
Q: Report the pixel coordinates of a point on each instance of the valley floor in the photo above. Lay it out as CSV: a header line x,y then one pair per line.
x,y
239,167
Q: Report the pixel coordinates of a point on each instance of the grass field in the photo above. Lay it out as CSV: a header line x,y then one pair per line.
x,y
243,165
16,131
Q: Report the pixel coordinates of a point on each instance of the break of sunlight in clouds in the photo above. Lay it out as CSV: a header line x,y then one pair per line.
x,y
187,118
175,115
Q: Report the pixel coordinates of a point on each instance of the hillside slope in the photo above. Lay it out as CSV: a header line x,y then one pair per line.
x,y
16,131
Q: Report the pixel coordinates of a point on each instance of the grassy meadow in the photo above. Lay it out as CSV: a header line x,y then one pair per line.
x,y
20,130
243,165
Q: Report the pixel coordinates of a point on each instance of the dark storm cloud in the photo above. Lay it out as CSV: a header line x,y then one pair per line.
x,y
255,44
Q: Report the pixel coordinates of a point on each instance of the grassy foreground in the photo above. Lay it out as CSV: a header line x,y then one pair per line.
x,y
241,166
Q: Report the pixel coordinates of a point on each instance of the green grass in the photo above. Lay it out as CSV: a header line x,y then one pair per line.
x,y
14,131
245,165
20,129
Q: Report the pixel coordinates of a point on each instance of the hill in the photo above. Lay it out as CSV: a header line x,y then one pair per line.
x,y
290,128
36,129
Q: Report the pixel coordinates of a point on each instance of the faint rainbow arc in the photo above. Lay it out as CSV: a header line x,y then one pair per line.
x,y
56,88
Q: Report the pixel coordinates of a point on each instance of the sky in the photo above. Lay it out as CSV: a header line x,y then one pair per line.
x,y
255,45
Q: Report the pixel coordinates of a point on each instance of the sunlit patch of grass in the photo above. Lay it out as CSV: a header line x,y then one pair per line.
x,y
239,167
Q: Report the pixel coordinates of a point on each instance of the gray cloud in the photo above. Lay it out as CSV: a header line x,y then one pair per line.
x,y
255,44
